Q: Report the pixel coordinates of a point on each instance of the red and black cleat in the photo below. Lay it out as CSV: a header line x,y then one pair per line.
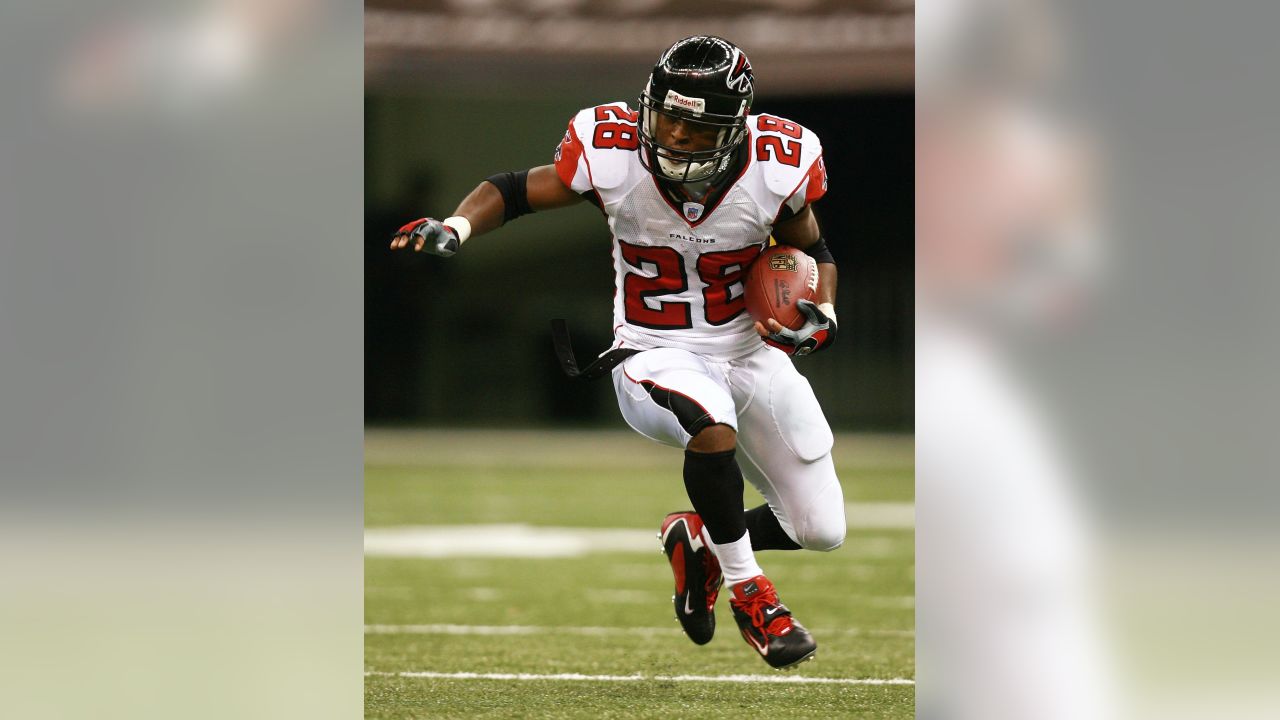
x,y
768,626
697,572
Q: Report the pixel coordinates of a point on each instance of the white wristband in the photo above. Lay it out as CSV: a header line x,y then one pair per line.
x,y
460,225
828,310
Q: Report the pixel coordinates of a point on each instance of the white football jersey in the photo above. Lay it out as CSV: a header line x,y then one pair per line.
x,y
679,267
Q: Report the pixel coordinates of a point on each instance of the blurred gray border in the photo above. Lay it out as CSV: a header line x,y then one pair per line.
x,y
181,344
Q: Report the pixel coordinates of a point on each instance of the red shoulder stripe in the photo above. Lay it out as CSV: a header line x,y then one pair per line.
x,y
817,181
567,155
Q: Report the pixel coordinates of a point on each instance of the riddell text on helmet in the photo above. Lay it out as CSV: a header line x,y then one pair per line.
x,y
676,100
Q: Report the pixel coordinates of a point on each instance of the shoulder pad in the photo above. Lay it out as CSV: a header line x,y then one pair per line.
x,y
599,147
789,157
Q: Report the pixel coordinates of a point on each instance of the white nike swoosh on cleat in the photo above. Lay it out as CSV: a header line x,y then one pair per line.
x,y
771,611
687,610
762,649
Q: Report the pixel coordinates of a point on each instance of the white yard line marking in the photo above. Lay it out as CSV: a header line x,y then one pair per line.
x,y
482,594
444,629
880,515
784,679
528,541
889,601
439,541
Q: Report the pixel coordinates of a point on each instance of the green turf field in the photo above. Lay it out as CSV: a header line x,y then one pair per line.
x,y
593,635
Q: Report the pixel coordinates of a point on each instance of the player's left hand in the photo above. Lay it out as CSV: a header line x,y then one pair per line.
x,y
818,332
427,235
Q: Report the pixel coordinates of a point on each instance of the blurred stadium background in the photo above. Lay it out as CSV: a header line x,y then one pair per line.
x,y
457,91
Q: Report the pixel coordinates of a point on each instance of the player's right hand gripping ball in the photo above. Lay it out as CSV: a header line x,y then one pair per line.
x,y
427,235
818,332
782,286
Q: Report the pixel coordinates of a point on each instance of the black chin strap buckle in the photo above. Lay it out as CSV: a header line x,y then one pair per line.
x,y
599,367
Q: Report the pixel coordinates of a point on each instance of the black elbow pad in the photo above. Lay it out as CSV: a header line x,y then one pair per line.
x,y
514,187
820,252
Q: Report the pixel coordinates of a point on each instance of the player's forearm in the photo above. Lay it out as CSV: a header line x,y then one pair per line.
x,y
483,208
507,196
826,283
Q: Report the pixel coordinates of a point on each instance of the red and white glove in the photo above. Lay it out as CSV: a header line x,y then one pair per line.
x,y
437,237
818,332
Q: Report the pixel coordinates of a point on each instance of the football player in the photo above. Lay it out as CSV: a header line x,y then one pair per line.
x,y
693,185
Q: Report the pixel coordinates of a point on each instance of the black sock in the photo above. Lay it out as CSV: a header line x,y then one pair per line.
x,y
766,531
714,484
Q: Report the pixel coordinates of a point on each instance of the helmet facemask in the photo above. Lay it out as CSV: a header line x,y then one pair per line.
x,y
682,164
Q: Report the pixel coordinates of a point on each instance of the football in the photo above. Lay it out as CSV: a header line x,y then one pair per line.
x,y
779,278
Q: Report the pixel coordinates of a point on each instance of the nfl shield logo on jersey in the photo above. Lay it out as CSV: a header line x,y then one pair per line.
x,y
692,211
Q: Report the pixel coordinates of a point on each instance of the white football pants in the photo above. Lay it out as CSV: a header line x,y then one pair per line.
x,y
784,442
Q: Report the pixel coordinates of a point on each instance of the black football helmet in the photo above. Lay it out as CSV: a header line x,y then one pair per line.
x,y
704,81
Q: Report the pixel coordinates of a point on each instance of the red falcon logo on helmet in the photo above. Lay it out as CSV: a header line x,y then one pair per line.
x,y
739,78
